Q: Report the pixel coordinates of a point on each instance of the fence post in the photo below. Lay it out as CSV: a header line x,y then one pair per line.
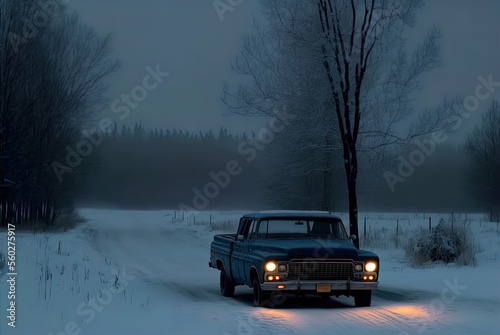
x,y
430,227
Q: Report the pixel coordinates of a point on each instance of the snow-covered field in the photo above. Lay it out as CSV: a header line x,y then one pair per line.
x,y
144,272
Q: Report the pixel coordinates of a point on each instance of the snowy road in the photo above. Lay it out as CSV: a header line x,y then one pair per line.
x,y
170,265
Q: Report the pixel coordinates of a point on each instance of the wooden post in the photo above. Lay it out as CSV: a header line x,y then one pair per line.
x,y
364,228
397,226
430,227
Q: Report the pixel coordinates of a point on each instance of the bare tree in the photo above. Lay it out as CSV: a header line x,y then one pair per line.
x,y
351,55
54,82
370,75
483,145
11,82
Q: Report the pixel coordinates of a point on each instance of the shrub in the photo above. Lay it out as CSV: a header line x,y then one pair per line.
x,y
67,220
447,243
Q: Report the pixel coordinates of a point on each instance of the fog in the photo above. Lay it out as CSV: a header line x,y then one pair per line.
x,y
201,104
189,40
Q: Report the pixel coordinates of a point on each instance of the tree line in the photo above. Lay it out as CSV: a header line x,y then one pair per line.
x,y
144,168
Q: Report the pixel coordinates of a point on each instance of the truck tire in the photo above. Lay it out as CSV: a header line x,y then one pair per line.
x,y
363,298
226,284
260,297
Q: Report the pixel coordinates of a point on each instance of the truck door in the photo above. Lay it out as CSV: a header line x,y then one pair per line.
x,y
238,256
246,250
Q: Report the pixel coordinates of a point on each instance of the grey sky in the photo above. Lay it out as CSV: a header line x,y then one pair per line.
x,y
188,40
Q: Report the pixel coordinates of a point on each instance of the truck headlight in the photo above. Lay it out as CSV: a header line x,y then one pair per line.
x,y
270,266
282,267
370,266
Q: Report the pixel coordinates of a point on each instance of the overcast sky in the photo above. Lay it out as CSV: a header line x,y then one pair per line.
x,y
188,39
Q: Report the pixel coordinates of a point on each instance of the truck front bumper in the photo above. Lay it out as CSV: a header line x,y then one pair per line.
x,y
311,285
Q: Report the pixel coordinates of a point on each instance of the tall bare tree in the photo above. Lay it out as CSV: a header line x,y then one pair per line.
x,y
351,55
370,76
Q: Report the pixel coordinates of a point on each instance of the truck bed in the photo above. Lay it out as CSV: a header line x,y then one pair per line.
x,y
221,248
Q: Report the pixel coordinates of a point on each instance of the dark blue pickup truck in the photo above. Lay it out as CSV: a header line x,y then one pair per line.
x,y
301,252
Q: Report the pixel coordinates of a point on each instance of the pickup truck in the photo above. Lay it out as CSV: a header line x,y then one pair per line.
x,y
295,252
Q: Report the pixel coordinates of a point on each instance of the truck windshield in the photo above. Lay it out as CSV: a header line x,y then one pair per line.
x,y
301,228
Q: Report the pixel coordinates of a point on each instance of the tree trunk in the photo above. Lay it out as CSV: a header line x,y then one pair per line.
x,y
325,192
351,166
353,210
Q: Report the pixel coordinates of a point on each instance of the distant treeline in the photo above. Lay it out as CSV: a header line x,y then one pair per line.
x,y
141,168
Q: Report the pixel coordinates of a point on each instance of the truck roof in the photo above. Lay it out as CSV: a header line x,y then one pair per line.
x,y
291,214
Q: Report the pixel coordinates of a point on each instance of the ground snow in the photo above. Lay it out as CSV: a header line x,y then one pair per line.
x,y
146,272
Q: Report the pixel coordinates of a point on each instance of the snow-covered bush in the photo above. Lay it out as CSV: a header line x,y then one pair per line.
x,y
67,220
447,243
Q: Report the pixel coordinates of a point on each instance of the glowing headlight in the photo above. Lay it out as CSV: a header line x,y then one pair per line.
x,y
370,266
271,266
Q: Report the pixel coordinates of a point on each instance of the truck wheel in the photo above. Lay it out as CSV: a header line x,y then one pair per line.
x,y
363,298
226,284
260,297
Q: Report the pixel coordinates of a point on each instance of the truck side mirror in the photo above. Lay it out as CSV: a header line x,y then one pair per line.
x,y
240,237
353,237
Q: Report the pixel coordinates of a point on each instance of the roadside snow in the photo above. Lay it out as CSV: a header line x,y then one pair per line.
x,y
144,272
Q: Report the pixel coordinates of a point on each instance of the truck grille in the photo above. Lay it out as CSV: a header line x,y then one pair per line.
x,y
320,270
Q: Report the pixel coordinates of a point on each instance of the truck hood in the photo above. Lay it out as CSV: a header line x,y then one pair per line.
x,y
307,248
